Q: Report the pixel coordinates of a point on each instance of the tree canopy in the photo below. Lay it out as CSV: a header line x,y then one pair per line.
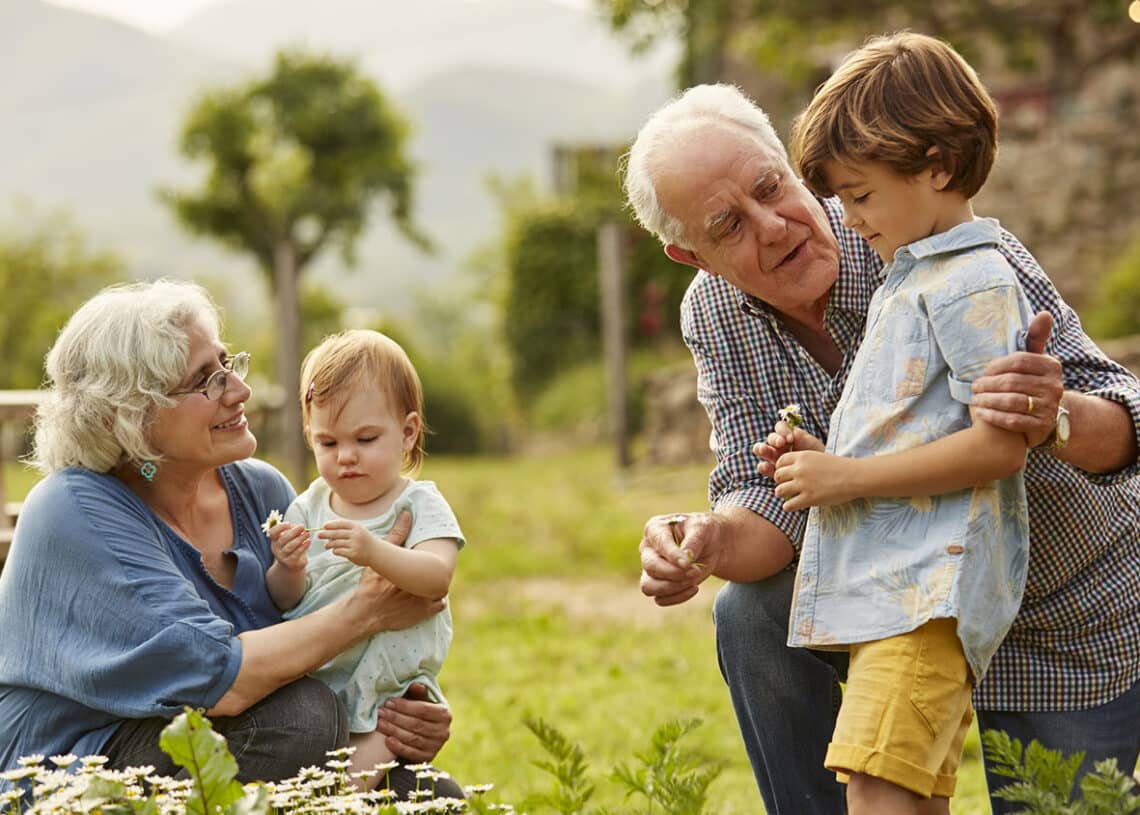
x,y
295,162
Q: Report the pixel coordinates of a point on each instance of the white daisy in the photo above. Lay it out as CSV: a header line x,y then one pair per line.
x,y
274,518
791,414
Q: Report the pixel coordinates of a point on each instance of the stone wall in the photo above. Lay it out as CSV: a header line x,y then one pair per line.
x,y
1069,186
676,427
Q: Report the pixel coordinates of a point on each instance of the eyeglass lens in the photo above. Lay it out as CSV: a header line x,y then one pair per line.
x,y
216,384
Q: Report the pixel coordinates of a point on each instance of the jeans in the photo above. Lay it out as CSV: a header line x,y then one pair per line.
x,y
291,728
1111,730
786,701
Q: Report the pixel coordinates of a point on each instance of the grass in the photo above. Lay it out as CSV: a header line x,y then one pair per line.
x,y
549,623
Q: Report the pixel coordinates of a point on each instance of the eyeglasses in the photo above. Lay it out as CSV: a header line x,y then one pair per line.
x,y
216,385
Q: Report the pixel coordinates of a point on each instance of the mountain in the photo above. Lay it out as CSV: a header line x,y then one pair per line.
x,y
403,42
93,109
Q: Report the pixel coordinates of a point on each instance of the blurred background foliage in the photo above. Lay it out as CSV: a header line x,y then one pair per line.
x,y
47,268
509,347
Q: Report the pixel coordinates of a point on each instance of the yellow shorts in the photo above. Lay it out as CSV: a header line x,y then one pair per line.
x,y
905,711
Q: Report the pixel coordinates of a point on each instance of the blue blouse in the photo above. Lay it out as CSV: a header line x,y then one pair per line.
x,y
107,614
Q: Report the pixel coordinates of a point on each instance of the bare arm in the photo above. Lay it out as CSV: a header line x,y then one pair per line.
x,y
975,455
733,543
1103,438
424,571
285,578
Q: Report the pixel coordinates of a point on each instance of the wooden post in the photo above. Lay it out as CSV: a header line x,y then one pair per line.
x,y
611,278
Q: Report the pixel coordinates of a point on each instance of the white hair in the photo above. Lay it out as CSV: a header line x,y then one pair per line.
x,y
111,366
700,105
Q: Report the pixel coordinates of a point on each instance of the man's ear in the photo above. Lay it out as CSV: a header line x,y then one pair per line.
x,y
940,173
686,256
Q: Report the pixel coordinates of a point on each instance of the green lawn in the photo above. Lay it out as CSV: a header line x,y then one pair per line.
x,y
549,623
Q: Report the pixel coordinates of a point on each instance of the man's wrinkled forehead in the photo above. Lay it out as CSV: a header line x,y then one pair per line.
x,y
709,163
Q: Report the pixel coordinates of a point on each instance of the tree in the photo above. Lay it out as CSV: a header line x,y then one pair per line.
x,y
296,161
45,273
1064,42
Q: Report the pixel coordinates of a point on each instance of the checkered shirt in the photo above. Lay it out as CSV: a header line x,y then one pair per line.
x,y
1076,641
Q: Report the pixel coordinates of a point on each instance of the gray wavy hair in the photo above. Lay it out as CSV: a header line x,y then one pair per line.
x,y
701,104
111,367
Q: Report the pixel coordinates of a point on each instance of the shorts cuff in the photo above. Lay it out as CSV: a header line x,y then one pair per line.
x,y
844,759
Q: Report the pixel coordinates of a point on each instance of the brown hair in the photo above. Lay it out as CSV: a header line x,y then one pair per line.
x,y
893,100
351,358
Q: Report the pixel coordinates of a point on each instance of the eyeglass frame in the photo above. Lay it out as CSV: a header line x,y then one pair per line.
x,y
230,365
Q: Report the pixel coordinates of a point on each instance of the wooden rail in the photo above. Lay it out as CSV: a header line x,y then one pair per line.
x,y
15,406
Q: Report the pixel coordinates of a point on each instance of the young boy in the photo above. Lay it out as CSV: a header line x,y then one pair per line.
x,y
915,553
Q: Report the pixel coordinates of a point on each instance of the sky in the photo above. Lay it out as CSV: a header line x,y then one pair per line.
x,y
159,16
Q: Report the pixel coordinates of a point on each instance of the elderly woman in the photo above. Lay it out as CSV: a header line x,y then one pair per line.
x,y
135,582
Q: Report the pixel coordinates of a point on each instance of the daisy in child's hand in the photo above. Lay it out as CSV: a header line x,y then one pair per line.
x,y
788,435
288,542
274,518
791,416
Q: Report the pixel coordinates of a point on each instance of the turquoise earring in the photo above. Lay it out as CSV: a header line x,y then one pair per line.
x,y
148,470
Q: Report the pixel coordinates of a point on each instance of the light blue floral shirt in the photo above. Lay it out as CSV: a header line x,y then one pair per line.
x,y
875,568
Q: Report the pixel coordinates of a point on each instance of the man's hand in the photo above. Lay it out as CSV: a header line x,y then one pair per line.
x,y
290,546
414,728
783,439
350,540
677,553
1011,385
813,479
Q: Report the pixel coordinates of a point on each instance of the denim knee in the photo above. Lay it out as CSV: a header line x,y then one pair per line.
x,y
293,727
754,612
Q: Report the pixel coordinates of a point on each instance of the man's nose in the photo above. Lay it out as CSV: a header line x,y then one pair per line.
x,y
769,224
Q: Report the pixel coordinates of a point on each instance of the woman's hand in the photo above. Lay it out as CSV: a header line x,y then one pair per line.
x,y
414,728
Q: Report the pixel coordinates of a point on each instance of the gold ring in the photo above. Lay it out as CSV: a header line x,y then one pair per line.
x,y
1029,409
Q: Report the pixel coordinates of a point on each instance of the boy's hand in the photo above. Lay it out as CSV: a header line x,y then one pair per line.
x,y
813,479
290,546
349,540
781,440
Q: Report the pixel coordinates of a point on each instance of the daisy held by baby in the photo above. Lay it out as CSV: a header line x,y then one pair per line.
x,y
362,405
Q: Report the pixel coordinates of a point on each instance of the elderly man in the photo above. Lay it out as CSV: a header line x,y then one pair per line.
x,y
774,317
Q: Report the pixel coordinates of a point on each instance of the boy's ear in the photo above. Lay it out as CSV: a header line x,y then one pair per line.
x,y
940,173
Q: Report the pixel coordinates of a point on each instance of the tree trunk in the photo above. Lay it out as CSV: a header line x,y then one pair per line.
x,y
294,456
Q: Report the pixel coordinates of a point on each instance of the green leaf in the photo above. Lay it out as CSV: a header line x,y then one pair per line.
x,y
194,746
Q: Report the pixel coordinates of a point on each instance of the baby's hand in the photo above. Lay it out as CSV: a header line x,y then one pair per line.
x,y
783,439
290,545
349,540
